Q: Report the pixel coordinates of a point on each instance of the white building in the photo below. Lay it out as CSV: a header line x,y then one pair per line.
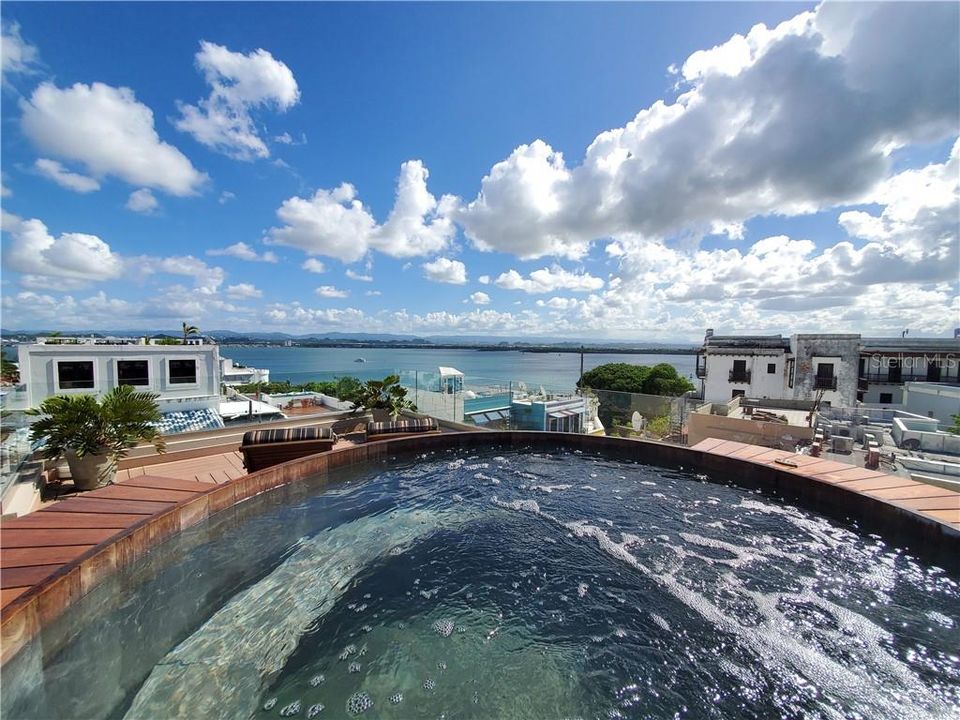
x,y
887,364
232,374
186,377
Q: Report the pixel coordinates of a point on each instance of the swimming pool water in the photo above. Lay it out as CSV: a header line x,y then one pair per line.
x,y
506,584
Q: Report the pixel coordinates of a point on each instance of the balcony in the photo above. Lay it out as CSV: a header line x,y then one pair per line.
x,y
902,377
701,366
824,383
739,376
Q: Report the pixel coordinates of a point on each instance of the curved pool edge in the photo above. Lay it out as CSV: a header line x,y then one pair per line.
x,y
812,483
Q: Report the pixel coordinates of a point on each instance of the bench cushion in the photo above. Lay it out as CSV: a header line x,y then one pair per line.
x,y
412,425
267,437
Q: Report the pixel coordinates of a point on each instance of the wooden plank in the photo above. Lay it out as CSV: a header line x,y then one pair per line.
x,y
948,516
707,444
54,536
133,492
38,520
934,503
25,576
94,505
920,490
165,483
12,557
877,483
851,473
8,595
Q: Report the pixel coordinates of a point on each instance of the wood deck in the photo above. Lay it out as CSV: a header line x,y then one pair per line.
x,y
210,469
35,546
930,500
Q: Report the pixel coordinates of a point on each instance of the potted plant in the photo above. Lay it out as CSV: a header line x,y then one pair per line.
x,y
95,435
383,398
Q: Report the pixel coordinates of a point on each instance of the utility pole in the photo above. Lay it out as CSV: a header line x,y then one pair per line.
x,y
580,383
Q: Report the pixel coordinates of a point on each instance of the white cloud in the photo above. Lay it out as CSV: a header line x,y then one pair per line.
x,y
741,139
243,290
225,197
16,55
484,279
336,224
358,276
549,280
480,298
64,178
207,280
242,251
313,265
142,201
238,84
329,291
373,293
110,133
444,270
78,257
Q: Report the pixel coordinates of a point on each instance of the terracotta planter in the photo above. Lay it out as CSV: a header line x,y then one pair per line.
x,y
91,471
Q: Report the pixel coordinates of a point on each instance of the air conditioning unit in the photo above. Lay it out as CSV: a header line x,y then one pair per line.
x,y
842,444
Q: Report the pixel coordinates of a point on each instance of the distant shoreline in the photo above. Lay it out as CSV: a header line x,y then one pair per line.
x,y
586,349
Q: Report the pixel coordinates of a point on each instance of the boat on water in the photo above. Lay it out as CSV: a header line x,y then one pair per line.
x,y
360,360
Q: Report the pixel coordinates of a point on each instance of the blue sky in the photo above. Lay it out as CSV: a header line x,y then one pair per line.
x,y
752,168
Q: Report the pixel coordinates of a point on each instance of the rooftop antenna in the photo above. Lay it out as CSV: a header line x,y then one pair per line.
x,y
904,333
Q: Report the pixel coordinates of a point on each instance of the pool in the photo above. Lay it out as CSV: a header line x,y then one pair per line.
x,y
513,584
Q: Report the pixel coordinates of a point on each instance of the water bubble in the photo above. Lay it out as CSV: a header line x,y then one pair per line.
x,y
429,684
354,667
359,703
317,680
366,628
347,652
268,705
443,628
441,666
315,710
396,698
291,709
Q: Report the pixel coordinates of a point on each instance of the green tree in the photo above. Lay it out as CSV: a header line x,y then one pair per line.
x,y
955,428
661,379
9,371
189,330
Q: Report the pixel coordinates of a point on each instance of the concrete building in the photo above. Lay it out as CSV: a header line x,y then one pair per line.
x,y
886,364
939,401
823,363
232,374
742,366
186,377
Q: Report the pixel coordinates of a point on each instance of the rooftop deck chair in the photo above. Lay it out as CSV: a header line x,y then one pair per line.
x,y
266,448
401,428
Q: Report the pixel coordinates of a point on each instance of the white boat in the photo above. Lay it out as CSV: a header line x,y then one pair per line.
x,y
360,360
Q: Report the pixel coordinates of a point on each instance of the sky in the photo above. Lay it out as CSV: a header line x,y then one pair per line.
x,y
633,172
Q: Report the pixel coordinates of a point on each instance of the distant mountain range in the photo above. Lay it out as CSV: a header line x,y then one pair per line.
x,y
233,335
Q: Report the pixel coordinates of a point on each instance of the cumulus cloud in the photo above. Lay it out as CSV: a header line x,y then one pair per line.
x,y
64,178
17,57
373,293
549,280
784,120
484,279
225,197
313,265
444,270
242,251
359,276
243,290
335,222
329,291
238,84
480,298
206,279
76,257
142,201
109,132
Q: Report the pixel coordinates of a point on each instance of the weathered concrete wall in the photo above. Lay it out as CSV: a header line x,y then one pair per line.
x,y
754,432
841,350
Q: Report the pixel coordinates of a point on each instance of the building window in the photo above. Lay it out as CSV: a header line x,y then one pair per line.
x,y
886,398
771,368
75,375
183,372
737,393
133,372
791,367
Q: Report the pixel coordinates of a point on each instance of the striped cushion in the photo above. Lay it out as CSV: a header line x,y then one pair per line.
x,y
264,437
402,426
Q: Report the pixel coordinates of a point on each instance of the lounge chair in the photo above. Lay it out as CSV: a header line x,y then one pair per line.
x,y
266,448
401,428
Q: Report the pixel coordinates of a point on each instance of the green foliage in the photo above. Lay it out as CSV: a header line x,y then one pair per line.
x,y
955,428
167,341
9,371
661,379
386,394
189,330
342,388
113,425
659,425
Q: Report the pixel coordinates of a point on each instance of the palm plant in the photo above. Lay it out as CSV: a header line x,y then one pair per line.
x,y
382,397
189,330
95,435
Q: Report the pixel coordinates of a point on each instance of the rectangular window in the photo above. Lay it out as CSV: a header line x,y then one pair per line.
x,y
737,393
75,375
133,372
933,372
771,368
740,366
886,398
183,372
825,370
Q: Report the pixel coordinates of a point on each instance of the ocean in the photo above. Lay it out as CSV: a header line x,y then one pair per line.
x,y
557,372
